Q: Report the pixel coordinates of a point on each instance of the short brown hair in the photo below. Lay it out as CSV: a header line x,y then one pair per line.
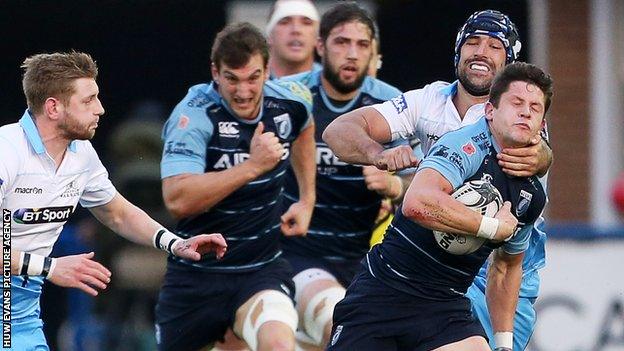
x,y
53,75
236,43
523,72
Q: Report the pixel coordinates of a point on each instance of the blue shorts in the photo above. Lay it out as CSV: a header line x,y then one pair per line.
x,y
343,271
28,336
524,321
373,316
26,324
196,307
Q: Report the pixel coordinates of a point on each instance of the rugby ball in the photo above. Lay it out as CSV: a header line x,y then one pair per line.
x,y
480,196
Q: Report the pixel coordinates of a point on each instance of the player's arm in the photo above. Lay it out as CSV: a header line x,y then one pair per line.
x,y
531,160
134,224
189,194
428,202
503,283
297,218
357,137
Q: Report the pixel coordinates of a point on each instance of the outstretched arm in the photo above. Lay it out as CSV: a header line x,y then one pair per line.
x,y
357,137
134,224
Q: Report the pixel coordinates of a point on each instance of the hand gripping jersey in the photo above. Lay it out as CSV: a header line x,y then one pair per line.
x,y
41,197
203,135
345,209
410,260
429,113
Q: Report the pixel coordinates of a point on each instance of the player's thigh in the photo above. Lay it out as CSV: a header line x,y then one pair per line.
x,y
473,343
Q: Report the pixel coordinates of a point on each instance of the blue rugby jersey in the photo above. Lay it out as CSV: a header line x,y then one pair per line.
x,y
345,210
410,260
203,135
428,113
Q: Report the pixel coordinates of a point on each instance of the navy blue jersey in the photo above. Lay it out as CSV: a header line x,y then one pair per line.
x,y
203,135
345,209
409,259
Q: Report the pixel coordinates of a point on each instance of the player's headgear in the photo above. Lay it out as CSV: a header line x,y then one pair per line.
x,y
494,24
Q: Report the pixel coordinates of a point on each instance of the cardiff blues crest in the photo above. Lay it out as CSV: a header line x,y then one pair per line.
x,y
283,125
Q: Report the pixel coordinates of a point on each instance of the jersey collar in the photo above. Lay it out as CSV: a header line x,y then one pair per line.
x,y
450,90
32,134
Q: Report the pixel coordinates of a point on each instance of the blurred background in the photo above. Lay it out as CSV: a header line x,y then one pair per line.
x,y
150,52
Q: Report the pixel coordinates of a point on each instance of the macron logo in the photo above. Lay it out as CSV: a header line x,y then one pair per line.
x,y
399,103
228,129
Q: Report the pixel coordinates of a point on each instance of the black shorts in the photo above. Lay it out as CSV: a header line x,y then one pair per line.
x,y
195,307
373,316
344,271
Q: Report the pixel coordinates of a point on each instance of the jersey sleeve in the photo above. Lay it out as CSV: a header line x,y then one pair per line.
x,y
401,113
453,157
520,241
8,167
99,189
185,134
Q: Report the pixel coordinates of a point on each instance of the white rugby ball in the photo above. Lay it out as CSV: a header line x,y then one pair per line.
x,y
480,196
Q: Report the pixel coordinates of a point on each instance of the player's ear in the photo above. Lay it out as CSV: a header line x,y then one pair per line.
x,y
320,47
215,72
53,107
489,111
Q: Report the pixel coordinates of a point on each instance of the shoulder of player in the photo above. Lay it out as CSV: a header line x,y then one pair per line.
x,y
473,139
190,112
378,89
309,78
289,90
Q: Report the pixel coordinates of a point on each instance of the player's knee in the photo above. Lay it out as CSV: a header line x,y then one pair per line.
x,y
270,306
318,314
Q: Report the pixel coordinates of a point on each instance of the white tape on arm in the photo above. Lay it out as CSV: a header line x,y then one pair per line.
x,y
165,240
503,339
488,228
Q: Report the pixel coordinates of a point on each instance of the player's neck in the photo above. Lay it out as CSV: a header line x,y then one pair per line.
x,y
463,101
53,141
281,68
334,94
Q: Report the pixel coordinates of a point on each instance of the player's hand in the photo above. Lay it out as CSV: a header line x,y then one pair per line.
x,y
523,161
382,182
81,272
193,248
507,223
265,150
296,220
396,158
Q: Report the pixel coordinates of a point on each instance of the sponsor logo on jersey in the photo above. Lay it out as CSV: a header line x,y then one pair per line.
x,y
42,215
183,122
283,125
178,148
71,190
34,190
228,129
399,103
433,137
336,335
524,202
298,90
469,149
